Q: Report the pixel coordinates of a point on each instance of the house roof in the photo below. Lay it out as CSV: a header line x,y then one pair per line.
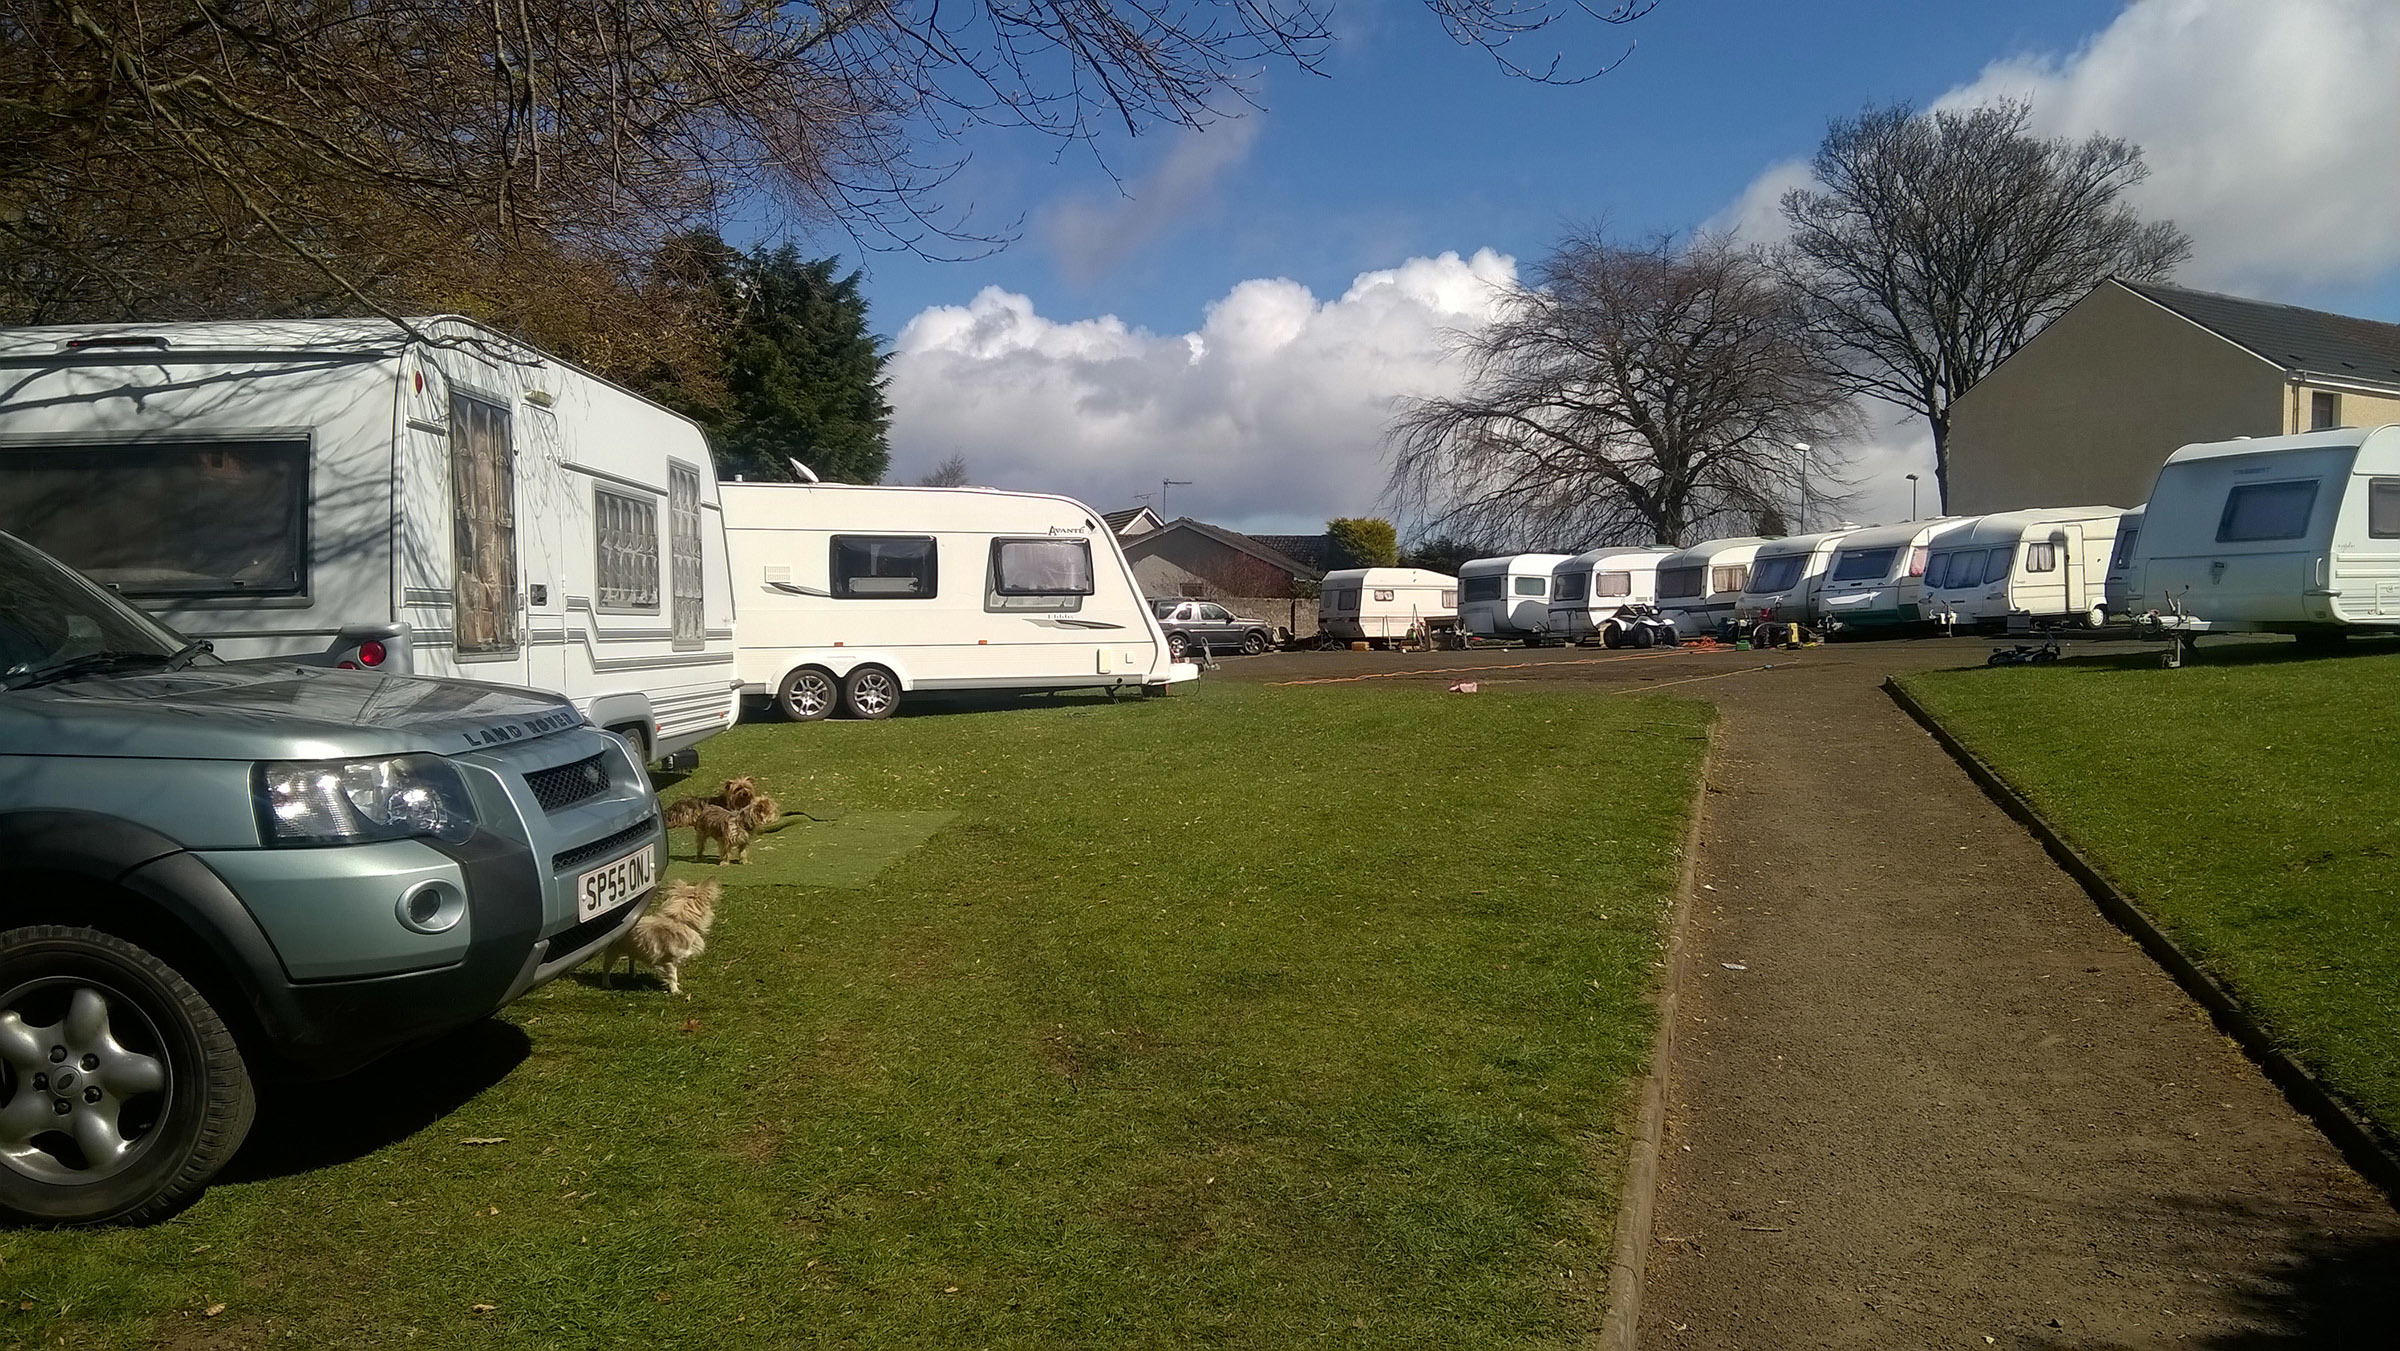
x,y
2337,346
1231,539
1316,551
1118,520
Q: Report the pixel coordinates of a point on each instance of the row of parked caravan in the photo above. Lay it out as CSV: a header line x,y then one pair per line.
x,y
2296,534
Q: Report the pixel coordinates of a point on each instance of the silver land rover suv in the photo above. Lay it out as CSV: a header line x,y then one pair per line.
x,y
211,869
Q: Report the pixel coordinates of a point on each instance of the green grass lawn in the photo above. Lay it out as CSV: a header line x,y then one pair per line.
x,y
2250,803
1248,1017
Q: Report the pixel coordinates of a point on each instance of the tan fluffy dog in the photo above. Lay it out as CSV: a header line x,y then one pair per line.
x,y
673,932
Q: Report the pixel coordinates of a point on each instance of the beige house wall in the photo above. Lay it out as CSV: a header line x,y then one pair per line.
x,y
2086,412
2357,410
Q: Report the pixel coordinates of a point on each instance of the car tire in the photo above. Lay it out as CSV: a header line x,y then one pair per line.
x,y
871,693
146,1053
807,694
1254,642
1178,647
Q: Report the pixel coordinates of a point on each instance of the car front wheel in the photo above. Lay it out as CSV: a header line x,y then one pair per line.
x,y
121,1089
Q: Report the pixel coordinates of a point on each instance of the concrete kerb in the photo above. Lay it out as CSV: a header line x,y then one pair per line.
x,y
1638,1197
2358,1140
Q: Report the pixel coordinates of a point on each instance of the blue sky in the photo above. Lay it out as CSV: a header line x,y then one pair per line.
x,y
1242,306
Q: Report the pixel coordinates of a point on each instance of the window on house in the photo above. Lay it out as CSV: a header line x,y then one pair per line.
x,y
1729,579
1533,586
884,567
1481,588
2383,508
2041,558
1677,583
484,521
1570,587
216,518
625,535
1612,584
689,620
2262,511
2324,410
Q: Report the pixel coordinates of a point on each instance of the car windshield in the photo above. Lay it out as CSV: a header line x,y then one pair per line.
x,y
53,622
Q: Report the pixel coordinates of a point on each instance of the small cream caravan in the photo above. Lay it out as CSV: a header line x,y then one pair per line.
x,y
1378,605
1697,587
1507,597
2041,566
1785,576
1591,587
854,596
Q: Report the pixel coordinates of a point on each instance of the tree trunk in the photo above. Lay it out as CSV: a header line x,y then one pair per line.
x,y
1941,461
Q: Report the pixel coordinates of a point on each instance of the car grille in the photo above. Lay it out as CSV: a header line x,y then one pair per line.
x,y
567,940
603,848
563,786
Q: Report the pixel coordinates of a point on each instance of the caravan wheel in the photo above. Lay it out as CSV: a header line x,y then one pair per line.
x,y
807,694
871,692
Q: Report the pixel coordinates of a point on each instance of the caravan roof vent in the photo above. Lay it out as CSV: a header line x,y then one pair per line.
x,y
119,340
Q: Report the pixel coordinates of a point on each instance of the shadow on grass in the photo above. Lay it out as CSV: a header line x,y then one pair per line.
x,y
303,1126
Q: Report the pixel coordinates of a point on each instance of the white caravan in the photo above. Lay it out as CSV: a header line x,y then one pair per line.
x,y
1785,576
1697,587
2048,564
1507,597
1377,605
2285,534
1878,575
855,596
1591,587
431,498
2120,561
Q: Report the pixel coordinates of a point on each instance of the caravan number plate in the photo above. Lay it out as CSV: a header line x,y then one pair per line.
x,y
611,884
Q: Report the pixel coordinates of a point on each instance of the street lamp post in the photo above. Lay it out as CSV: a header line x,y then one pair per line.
x,y
1803,447
1912,497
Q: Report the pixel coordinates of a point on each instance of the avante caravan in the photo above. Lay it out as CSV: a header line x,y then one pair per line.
x,y
1377,605
1878,576
2041,566
1507,597
1785,575
427,497
1697,587
2287,534
855,596
1592,587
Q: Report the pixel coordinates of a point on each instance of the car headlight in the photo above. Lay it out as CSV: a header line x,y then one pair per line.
x,y
351,801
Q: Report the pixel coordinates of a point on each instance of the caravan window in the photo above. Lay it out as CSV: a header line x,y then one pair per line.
x,y
2041,558
2258,511
1729,579
1040,574
1450,599
1342,601
483,501
2383,508
1533,586
1675,583
1777,574
1612,584
1482,588
683,563
884,567
215,518
626,531
1864,565
1570,586
2124,554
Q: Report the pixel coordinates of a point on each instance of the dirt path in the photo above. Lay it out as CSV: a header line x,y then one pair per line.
x,y
1925,1096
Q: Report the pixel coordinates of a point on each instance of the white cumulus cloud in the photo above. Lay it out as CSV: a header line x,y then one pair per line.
x,y
1274,407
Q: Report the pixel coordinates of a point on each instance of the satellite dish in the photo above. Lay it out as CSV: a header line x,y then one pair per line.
x,y
807,475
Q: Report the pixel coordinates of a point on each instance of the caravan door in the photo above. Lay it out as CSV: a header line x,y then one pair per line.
x,y
2073,569
488,600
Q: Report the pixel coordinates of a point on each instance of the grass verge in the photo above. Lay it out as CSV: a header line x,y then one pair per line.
x,y
1245,1018
2247,805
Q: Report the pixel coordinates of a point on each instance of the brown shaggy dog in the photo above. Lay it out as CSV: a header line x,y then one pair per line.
x,y
735,794
673,932
708,821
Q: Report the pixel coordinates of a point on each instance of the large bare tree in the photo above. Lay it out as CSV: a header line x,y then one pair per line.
x,y
1933,245
163,158
1625,394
